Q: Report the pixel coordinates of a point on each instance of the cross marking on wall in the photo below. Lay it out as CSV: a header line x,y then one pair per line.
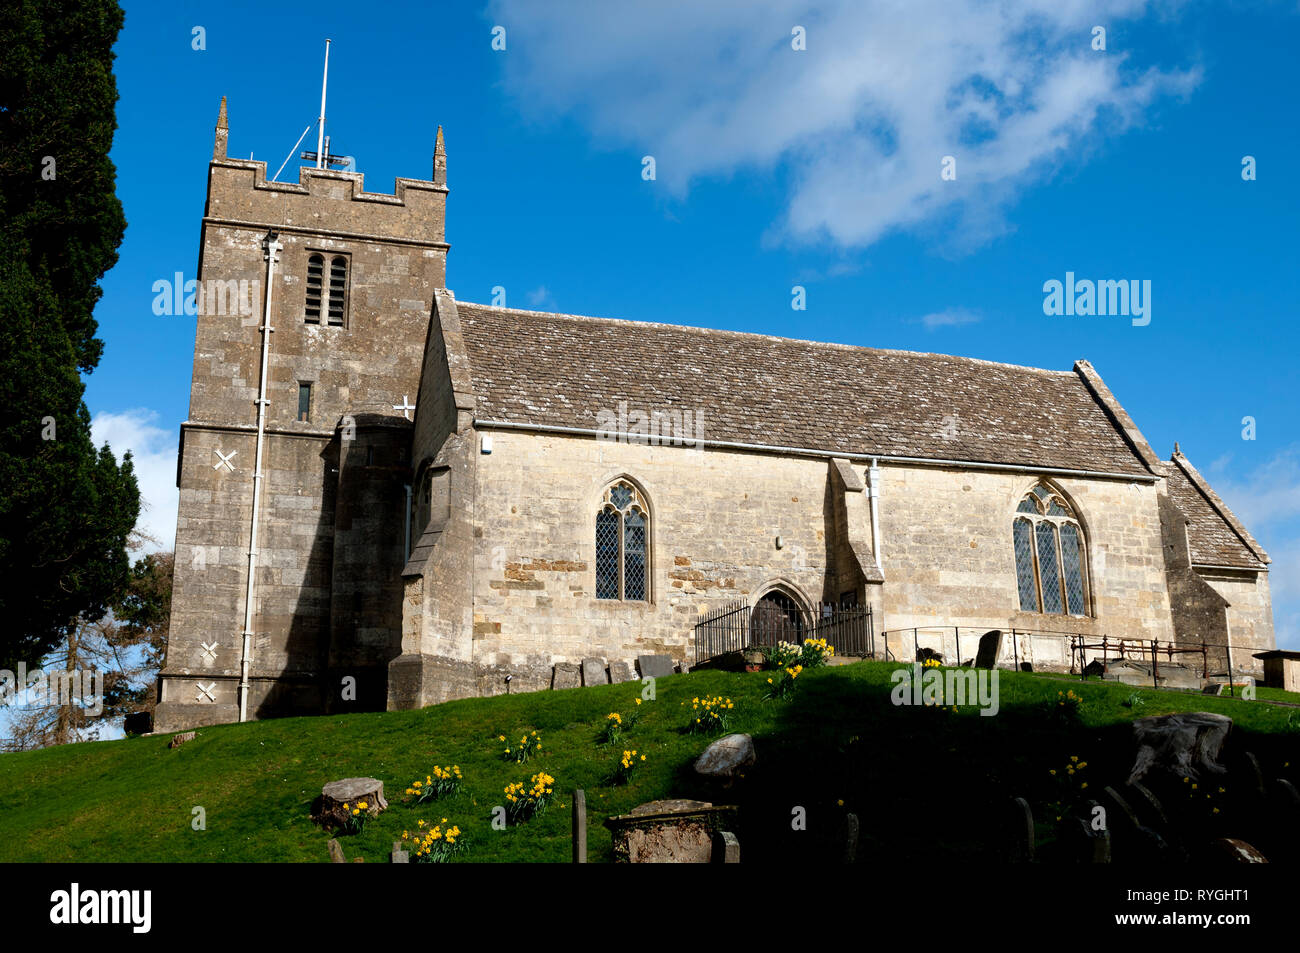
x,y
209,651
208,690
225,460
404,406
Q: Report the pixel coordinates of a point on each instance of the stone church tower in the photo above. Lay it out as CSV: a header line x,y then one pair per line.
x,y
327,339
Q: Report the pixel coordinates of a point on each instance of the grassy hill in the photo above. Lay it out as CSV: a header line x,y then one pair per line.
x,y
925,782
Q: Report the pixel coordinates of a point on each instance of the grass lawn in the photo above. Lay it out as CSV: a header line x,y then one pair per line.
x,y
925,782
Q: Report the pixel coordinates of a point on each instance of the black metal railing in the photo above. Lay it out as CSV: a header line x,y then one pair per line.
x,y
849,629
1061,650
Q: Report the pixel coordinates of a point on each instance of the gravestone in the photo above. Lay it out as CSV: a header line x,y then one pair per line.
x,y
726,757
180,739
399,856
566,675
655,666
1254,777
726,848
593,672
989,650
1021,831
336,852
620,672
673,831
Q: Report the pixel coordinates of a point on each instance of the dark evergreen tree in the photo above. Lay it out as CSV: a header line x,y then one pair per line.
x,y
66,507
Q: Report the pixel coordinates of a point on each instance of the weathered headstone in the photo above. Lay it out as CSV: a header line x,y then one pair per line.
x,y
566,675
579,826
1181,745
726,757
336,852
1254,776
399,856
655,666
1021,830
1148,805
989,650
726,848
178,740
620,671
593,672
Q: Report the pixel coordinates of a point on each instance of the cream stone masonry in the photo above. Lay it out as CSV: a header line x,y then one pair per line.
x,y
429,530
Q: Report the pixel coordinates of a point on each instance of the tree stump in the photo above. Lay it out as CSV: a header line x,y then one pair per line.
x,y
329,812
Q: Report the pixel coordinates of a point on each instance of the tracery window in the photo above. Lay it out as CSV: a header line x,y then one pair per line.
x,y
1049,549
622,544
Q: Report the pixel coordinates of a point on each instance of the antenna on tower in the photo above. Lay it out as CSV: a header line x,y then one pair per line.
x,y
320,138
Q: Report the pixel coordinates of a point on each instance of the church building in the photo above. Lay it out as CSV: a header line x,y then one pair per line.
x,y
390,497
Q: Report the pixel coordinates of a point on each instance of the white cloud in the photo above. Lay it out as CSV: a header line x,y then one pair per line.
x,y
539,298
153,452
861,118
950,317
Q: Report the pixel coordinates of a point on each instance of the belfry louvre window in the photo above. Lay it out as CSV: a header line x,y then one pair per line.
x,y
326,292
315,271
622,545
1048,543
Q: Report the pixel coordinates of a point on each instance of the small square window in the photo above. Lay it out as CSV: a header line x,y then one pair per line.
x,y
304,401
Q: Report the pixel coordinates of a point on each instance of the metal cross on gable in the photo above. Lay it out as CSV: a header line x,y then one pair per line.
x,y
225,460
404,406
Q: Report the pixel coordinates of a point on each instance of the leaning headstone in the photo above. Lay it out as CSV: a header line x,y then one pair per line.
x,y
566,675
593,672
1254,776
180,739
726,757
399,856
990,647
1022,832
655,666
336,852
1181,745
620,671
1285,793
1129,836
1148,804
329,810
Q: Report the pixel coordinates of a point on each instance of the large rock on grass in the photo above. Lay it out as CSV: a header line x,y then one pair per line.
x,y
726,757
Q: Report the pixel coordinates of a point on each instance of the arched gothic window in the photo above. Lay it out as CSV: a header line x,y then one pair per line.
x,y
1050,555
622,544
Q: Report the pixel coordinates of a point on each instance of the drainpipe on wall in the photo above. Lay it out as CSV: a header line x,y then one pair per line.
x,y
873,494
272,253
408,522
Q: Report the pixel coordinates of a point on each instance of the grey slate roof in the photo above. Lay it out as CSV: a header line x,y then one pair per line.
x,y
1215,535
535,368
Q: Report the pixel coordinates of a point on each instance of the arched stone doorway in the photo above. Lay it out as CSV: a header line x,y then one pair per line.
x,y
776,617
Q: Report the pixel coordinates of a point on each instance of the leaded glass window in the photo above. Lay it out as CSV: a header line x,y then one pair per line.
x,y
1049,553
622,545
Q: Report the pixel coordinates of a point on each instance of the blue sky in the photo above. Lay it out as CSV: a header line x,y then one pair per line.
x,y
778,167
